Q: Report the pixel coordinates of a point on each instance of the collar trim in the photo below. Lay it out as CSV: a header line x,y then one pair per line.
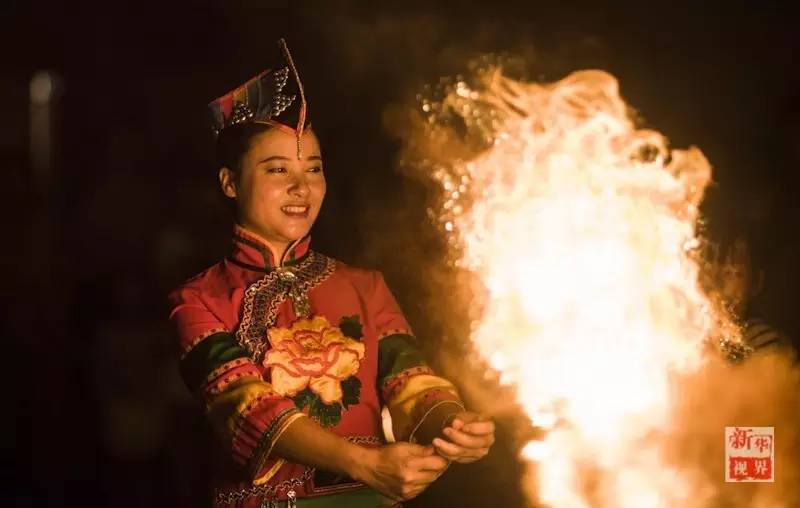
x,y
251,252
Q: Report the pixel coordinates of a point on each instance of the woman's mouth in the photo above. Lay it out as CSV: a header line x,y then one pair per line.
x,y
296,211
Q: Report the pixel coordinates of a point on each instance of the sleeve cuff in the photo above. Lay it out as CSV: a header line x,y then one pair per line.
x,y
261,455
255,429
438,401
412,401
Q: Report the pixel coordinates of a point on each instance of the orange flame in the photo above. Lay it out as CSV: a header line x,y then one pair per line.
x,y
582,228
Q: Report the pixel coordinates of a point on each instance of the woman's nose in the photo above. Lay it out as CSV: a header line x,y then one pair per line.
x,y
299,186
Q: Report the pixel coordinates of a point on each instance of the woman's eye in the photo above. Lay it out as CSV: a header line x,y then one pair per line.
x,y
315,169
276,170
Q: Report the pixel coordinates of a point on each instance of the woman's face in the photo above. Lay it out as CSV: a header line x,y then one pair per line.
x,y
278,195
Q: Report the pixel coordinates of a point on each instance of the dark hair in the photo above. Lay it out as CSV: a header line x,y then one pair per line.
x,y
234,141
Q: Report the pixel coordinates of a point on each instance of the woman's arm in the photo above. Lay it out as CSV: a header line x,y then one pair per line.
x,y
419,401
425,408
400,470
244,410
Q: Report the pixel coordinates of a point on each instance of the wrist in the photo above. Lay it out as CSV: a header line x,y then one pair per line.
x,y
357,460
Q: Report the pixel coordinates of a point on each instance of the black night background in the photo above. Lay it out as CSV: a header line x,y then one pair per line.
x,y
95,412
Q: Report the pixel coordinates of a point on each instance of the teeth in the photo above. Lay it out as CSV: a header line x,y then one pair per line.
x,y
295,209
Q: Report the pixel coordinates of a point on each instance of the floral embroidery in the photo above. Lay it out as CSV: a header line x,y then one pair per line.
x,y
351,327
315,363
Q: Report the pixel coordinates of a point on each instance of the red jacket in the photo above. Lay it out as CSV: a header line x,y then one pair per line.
x,y
265,345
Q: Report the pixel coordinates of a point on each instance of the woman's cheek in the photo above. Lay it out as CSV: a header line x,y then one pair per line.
x,y
320,189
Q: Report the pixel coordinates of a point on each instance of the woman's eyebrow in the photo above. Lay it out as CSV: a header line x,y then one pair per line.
x,y
274,158
285,159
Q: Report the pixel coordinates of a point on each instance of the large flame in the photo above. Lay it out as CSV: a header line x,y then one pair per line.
x,y
582,228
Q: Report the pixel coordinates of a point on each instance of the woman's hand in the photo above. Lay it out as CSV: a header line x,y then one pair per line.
x,y
468,438
399,470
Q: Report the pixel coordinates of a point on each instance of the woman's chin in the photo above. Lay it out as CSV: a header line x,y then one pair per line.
x,y
296,234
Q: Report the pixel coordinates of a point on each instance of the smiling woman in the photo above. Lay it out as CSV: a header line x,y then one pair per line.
x,y
293,353
278,190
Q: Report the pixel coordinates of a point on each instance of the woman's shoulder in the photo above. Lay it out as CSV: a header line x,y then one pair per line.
x,y
210,281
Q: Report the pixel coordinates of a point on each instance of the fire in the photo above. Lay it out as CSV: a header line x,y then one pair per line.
x,y
582,229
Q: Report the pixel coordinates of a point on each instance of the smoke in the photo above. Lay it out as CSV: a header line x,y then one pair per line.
x,y
392,54
764,390
681,456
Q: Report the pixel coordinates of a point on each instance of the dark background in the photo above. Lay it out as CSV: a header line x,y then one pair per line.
x,y
95,413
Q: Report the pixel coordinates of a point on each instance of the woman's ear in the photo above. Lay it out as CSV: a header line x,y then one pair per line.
x,y
227,182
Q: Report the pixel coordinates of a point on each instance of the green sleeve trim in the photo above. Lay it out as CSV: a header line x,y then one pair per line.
x,y
212,352
397,353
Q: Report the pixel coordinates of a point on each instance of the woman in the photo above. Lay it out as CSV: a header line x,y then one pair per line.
x,y
295,353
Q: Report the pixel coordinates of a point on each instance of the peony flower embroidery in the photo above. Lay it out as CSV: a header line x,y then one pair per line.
x,y
312,354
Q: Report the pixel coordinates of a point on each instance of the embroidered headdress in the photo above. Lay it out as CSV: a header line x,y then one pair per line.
x,y
274,97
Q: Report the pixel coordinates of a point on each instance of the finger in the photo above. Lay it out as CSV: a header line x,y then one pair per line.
x,y
477,455
418,450
447,456
452,451
464,418
458,454
420,478
412,491
447,449
433,463
479,428
468,440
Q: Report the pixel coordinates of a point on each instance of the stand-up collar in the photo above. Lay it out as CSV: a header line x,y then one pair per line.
x,y
252,252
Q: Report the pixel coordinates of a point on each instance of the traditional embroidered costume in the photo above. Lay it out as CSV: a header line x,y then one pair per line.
x,y
264,342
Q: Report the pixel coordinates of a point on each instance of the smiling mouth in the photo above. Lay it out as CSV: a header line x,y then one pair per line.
x,y
299,211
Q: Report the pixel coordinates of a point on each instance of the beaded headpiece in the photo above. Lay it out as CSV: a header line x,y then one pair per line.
x,y
269,98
